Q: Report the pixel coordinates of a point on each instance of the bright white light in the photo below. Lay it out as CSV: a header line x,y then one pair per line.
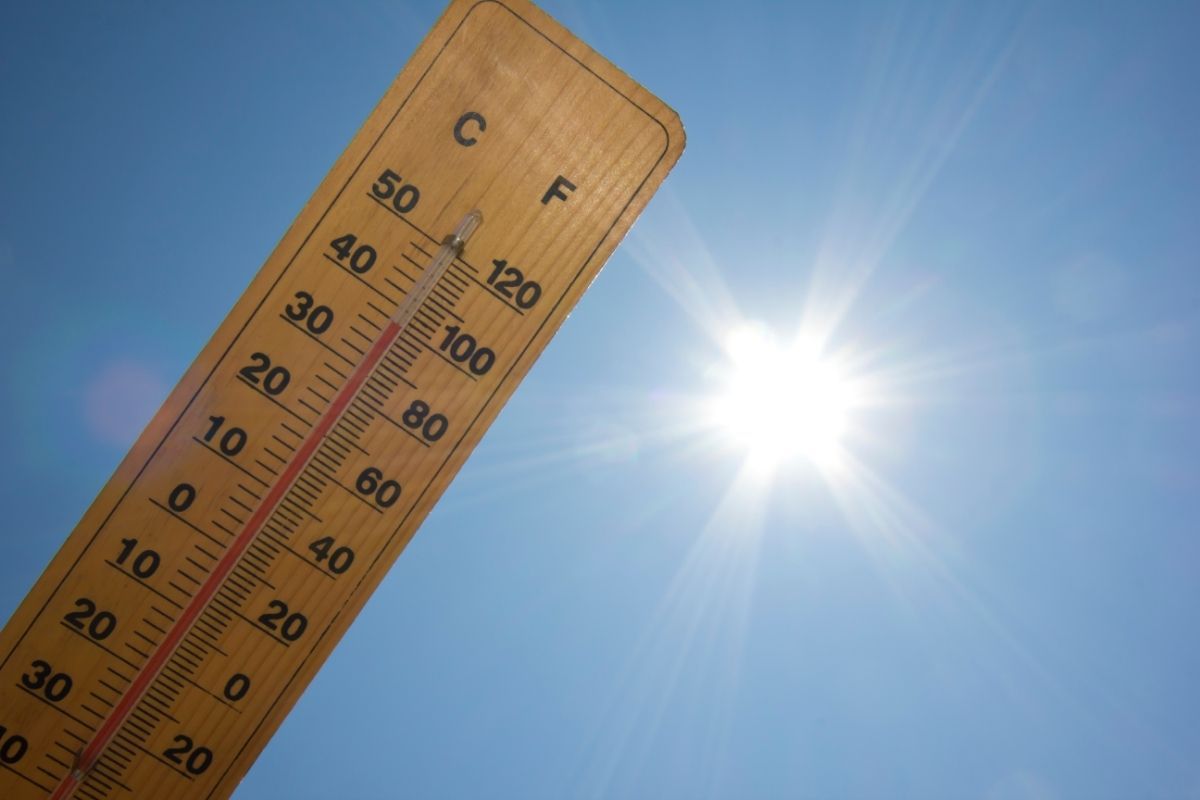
x,y
778,402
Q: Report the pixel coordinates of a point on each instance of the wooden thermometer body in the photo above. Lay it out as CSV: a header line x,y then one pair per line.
x,y
236,542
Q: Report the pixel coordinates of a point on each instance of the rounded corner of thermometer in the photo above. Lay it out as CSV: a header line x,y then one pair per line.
x,y
672,125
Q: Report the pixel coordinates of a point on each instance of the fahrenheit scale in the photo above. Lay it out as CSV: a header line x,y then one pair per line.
x,y
260,508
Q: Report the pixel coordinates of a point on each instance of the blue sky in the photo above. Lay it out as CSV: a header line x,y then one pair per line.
x,y
991,209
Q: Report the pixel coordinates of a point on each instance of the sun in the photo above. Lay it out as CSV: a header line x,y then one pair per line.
x,y
781,401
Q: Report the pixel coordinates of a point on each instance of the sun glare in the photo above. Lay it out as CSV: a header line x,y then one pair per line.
x,y
779,401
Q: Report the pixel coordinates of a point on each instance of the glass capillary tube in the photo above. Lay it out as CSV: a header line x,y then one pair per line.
x,y
451,247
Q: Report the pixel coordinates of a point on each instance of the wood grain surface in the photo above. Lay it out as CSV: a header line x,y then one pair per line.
x,y
500,110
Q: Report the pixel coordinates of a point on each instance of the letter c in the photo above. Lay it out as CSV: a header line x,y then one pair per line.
x,y
470,116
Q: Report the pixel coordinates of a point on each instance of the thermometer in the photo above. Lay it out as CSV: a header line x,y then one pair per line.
x,y
238,539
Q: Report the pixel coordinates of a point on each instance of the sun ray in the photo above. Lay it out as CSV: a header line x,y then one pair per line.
x,y
695,636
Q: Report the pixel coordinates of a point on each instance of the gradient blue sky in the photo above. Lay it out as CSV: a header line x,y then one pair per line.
x,y
997,204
